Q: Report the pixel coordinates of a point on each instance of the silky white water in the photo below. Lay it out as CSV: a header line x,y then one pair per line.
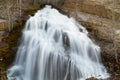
x,y
56,47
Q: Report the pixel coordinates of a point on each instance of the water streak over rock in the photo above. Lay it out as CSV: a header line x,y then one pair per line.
x,y
53,48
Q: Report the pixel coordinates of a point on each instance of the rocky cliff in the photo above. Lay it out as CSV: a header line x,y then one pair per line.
x,y
100,17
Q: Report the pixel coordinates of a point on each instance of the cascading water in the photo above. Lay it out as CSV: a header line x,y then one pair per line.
x,y
55,47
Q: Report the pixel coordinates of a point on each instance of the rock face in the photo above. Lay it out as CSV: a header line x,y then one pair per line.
x,y
8,47
102,8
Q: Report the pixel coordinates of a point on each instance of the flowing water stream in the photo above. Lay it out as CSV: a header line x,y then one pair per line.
x,y
56,47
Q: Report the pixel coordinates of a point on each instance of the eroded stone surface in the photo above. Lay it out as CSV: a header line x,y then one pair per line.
x,y
103,8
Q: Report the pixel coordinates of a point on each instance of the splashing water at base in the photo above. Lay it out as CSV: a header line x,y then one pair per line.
x,y
55,47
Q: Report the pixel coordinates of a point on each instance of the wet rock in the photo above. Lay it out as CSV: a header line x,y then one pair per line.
x,y
65,40
92,78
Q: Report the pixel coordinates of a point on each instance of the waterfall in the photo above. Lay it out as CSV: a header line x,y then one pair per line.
x,y
56,47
